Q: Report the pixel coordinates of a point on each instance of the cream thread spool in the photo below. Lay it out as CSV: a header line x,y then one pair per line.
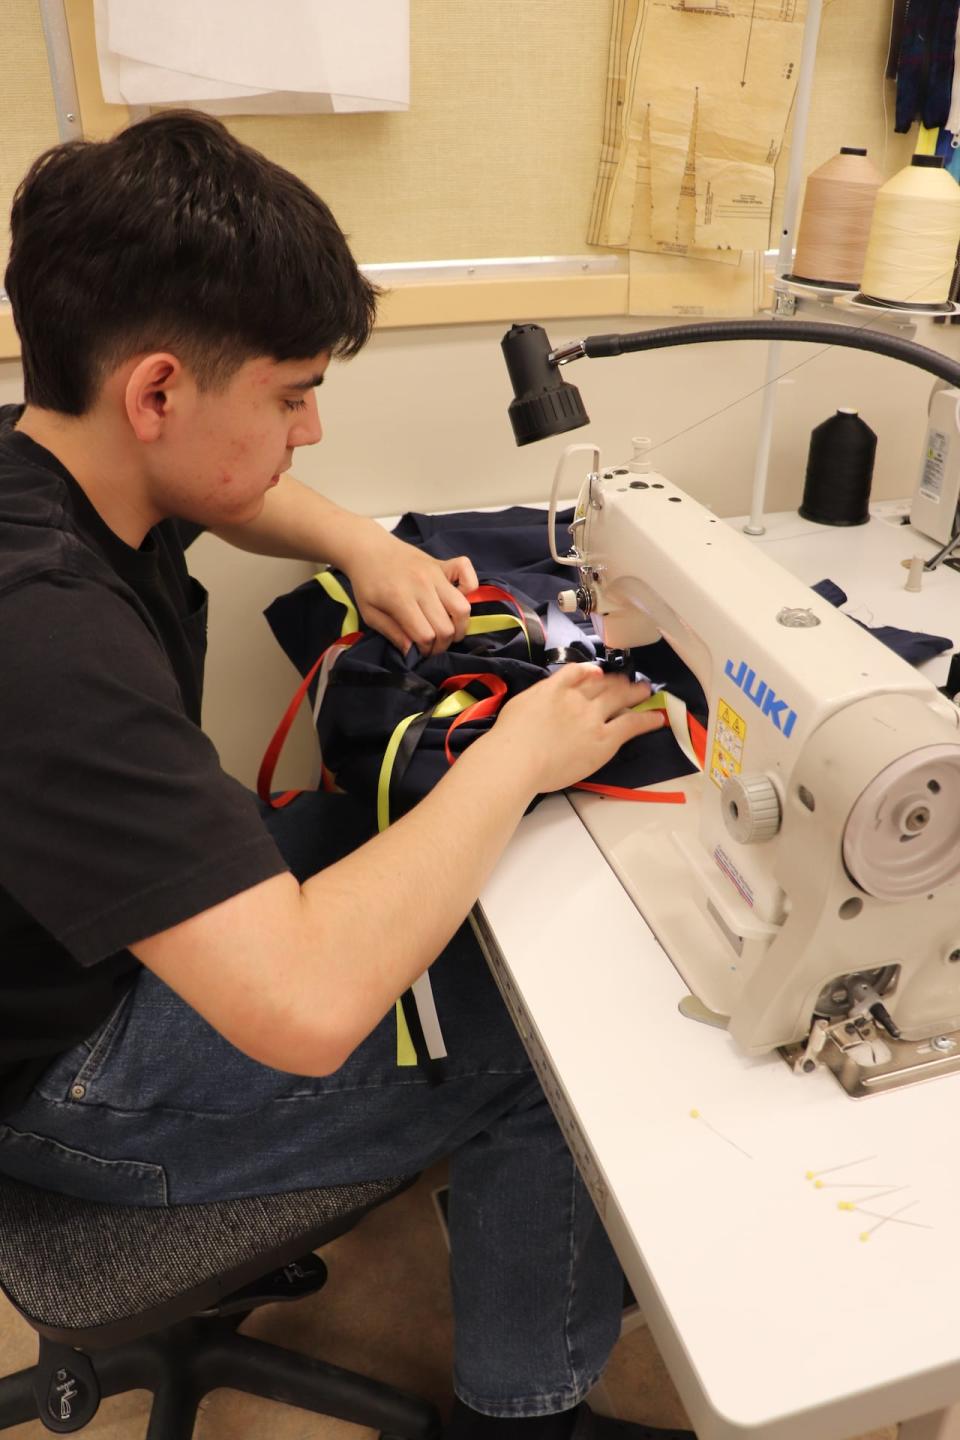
x,y
914,236
835,223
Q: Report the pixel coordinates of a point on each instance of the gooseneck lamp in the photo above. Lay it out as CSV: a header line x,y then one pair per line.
x,y
545,404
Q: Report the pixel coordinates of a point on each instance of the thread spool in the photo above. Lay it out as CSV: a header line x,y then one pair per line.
x,y
913,241
836,490
835,223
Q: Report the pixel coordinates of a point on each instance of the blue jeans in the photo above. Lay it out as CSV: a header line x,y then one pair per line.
x,y
157,1108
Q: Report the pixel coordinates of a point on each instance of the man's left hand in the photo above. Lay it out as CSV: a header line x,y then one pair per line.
x,y
410,597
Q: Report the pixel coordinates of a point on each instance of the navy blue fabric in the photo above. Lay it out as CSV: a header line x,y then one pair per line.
x,y
911,645
939,87
913,62
373,687
924,66
510,542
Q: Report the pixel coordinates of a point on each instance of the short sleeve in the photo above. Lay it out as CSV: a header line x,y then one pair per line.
x,y
118,820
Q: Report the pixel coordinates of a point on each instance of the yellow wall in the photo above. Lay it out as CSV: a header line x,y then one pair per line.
x,y
496,156
27,120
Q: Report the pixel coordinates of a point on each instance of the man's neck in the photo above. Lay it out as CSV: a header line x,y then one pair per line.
x,y
106,477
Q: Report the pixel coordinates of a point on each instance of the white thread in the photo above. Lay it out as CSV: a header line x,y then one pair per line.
x,y
913,237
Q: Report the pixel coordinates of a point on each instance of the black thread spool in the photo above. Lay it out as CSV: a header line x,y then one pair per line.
x,y
839,471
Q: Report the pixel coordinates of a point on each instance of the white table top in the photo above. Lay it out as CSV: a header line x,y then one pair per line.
x,y
776,1319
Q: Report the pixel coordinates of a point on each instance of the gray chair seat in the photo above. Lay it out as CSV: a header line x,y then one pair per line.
x,y
130,1299
71,1265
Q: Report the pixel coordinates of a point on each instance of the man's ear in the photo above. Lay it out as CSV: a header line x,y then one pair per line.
x,y
152,390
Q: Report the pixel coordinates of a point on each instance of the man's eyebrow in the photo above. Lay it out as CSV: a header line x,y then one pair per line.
x,y
306,384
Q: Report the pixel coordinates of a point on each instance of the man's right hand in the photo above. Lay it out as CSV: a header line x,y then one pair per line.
x,y
297,976
569,725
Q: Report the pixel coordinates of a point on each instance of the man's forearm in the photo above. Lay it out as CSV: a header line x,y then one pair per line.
x,y
386,911
297,523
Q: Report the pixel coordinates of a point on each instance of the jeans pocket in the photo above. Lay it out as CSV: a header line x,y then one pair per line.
x,y
96,1051
48,1165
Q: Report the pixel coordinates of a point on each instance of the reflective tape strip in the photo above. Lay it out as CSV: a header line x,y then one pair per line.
x,y
679,724
329,660
678,719
429,1019
330,583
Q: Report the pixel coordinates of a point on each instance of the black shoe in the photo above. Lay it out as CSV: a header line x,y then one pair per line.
x,y
589,1426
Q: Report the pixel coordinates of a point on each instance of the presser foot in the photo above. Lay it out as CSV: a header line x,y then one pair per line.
x,y
868,1061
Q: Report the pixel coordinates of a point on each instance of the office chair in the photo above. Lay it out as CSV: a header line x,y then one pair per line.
x,y
130,1299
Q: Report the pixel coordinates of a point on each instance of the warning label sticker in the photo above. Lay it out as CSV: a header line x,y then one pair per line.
x,y
730,732
931,481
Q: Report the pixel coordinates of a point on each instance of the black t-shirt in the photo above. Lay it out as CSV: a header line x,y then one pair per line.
x,y
117,820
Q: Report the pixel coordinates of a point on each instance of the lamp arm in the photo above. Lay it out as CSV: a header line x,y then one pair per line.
x,y
810,331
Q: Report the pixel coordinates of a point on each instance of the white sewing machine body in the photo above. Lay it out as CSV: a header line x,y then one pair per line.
x,y
815,864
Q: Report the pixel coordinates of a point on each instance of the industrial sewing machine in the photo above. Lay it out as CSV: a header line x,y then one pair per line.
x,y
809,889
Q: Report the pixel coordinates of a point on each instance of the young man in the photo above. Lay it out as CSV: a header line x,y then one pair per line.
x,y
191,1008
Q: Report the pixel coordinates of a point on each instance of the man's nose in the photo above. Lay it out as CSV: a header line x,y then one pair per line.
x,y
308,429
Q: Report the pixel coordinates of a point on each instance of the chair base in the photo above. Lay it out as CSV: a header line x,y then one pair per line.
x,y
183,1364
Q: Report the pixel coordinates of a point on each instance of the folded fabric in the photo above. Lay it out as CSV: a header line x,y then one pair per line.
x,y
373,695
913,646
373,689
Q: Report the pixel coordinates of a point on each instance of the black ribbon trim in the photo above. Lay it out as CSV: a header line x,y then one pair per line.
x,y
433,1069
405,752
408,682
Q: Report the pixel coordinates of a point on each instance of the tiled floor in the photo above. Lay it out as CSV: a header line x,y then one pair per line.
x,y
385,1311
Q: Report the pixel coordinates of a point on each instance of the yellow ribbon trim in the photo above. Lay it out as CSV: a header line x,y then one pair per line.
x,y
386,768
483,624
351,617
927,140
449,705
406,1055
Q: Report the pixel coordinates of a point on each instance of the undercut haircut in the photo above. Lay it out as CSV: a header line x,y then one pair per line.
x,y
173,236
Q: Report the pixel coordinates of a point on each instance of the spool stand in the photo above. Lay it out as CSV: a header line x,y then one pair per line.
x,y
801,115
793,297
865,305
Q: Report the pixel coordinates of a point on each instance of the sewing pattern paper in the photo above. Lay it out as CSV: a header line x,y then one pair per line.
x,y
699,94
241,57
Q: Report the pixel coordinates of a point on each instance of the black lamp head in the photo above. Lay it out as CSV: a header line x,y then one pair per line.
x,y
545,403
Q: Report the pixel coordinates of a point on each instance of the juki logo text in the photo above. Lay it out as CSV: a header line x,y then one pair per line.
x,y
765,698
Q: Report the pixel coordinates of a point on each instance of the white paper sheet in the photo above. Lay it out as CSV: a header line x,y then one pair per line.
x,y
243,56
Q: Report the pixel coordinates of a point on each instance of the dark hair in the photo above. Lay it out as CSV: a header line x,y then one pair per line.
x,y
173,235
